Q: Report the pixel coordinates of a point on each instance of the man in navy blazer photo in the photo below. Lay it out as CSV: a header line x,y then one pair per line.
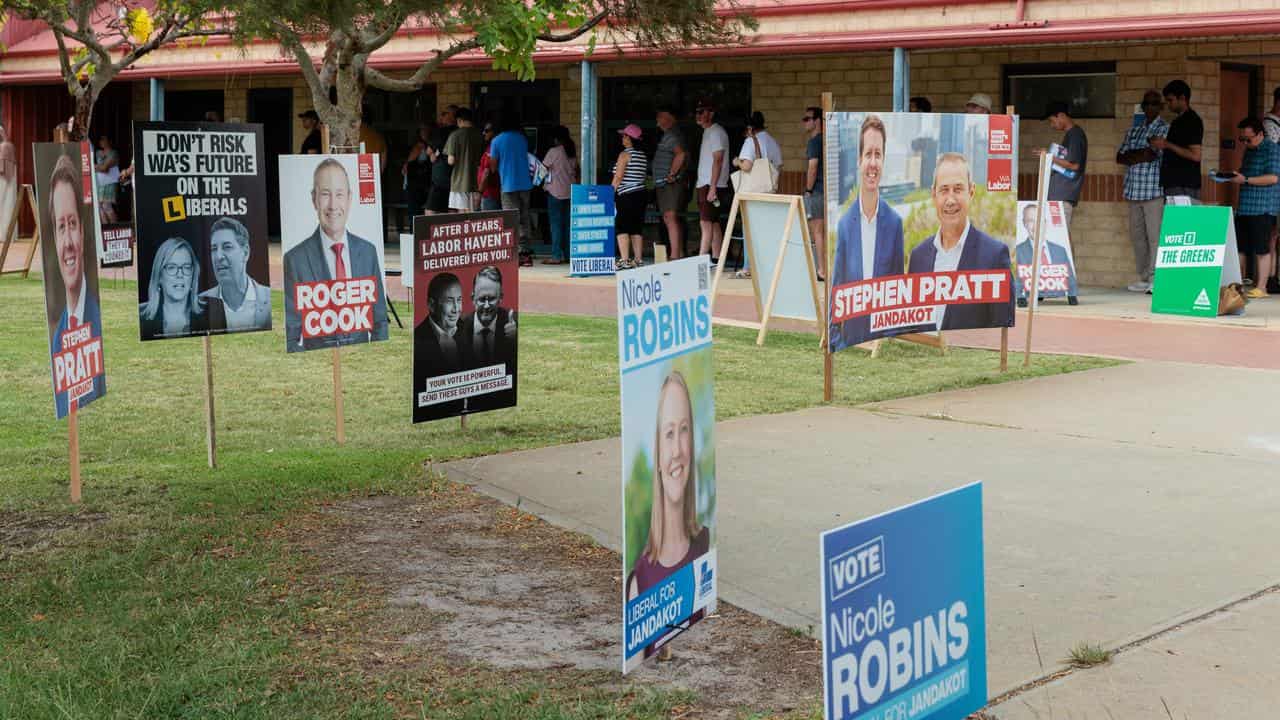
x,y
331,253
1057,254
958,245
869,241
68,265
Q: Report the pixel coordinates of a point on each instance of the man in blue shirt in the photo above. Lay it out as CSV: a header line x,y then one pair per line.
x,y
509,157
1258,175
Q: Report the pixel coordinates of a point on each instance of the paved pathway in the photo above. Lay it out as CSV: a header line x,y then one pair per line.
x,y
1109,515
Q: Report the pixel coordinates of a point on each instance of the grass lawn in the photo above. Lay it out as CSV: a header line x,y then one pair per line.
x,y
161,594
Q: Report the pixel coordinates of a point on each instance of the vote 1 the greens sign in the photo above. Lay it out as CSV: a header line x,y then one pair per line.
x,y
1197,256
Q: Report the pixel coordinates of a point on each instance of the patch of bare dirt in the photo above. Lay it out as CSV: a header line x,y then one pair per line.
x,y
469,582
24,532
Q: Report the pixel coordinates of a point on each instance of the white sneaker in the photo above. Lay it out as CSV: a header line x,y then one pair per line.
x,y
1139,287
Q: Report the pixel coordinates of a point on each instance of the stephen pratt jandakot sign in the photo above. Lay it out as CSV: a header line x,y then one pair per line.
x,y
904,614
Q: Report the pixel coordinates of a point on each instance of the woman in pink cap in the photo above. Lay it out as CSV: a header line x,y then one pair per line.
x,y
629,173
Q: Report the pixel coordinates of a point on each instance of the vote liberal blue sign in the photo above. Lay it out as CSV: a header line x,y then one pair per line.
x,y
591,234
904,631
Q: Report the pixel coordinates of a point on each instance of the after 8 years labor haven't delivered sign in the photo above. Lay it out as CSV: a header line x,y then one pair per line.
x,y
903,612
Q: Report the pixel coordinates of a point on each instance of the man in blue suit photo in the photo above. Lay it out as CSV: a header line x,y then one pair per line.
x,y
331,253
958,245
868,237
1057,255
74,266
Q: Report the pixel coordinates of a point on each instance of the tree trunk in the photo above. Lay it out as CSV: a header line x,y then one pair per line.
x,y
84,98
344,128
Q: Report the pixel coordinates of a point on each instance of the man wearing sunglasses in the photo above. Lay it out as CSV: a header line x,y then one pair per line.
x,y
1258,175
1142,187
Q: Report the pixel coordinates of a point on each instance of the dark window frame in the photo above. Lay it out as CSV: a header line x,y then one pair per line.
x,y
1100,68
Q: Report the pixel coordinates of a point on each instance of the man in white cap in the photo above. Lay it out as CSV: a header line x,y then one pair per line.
x,y
979,104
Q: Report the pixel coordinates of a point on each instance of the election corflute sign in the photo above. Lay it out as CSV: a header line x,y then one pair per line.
x,y
591,231
923,207
1057,265
904,614
114,239
1196,257
466,293
332,238
200,200
70,270
668,453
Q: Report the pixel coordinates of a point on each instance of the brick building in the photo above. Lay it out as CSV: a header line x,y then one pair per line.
x,y
1103,56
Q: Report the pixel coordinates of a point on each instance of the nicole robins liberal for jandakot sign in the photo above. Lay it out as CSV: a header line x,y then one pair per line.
x,y
903,612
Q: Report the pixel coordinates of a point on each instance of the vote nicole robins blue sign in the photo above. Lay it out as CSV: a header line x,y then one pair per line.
x,y
591,234
904,631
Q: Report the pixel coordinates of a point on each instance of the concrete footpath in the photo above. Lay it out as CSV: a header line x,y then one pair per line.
x,y
1120,503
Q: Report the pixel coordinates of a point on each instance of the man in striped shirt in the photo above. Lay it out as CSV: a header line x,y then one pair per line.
x,y
1142,187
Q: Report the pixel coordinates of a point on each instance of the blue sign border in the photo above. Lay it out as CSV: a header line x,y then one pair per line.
x,y
906,634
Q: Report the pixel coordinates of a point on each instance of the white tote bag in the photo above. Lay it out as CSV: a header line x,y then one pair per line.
x,y
762,178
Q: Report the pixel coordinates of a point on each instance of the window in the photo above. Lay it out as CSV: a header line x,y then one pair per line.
x,y
1090,88
635,100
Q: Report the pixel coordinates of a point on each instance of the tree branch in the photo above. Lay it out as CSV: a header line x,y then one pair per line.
x,y
577,32
419,77
291,42
64,59
369,43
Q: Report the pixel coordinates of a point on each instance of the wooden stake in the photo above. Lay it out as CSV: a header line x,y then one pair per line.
x,y
828,366
73,450
462,420
337,395
724,250
1004,349
30,194
665,654
210,433
1037,247
777,272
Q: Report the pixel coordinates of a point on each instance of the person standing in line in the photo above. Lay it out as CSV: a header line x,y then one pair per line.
x,y
490,187
669,162
463,150
979,104
441,173
1271,122
1067,179
1142,188
1258,175
9,184
562,161
1180,150
919,104
311,123
814,199
417,174
106,164
712,185
509,157
629,173
759,143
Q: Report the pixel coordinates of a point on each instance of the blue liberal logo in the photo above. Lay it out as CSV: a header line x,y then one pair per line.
x,y
705,576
